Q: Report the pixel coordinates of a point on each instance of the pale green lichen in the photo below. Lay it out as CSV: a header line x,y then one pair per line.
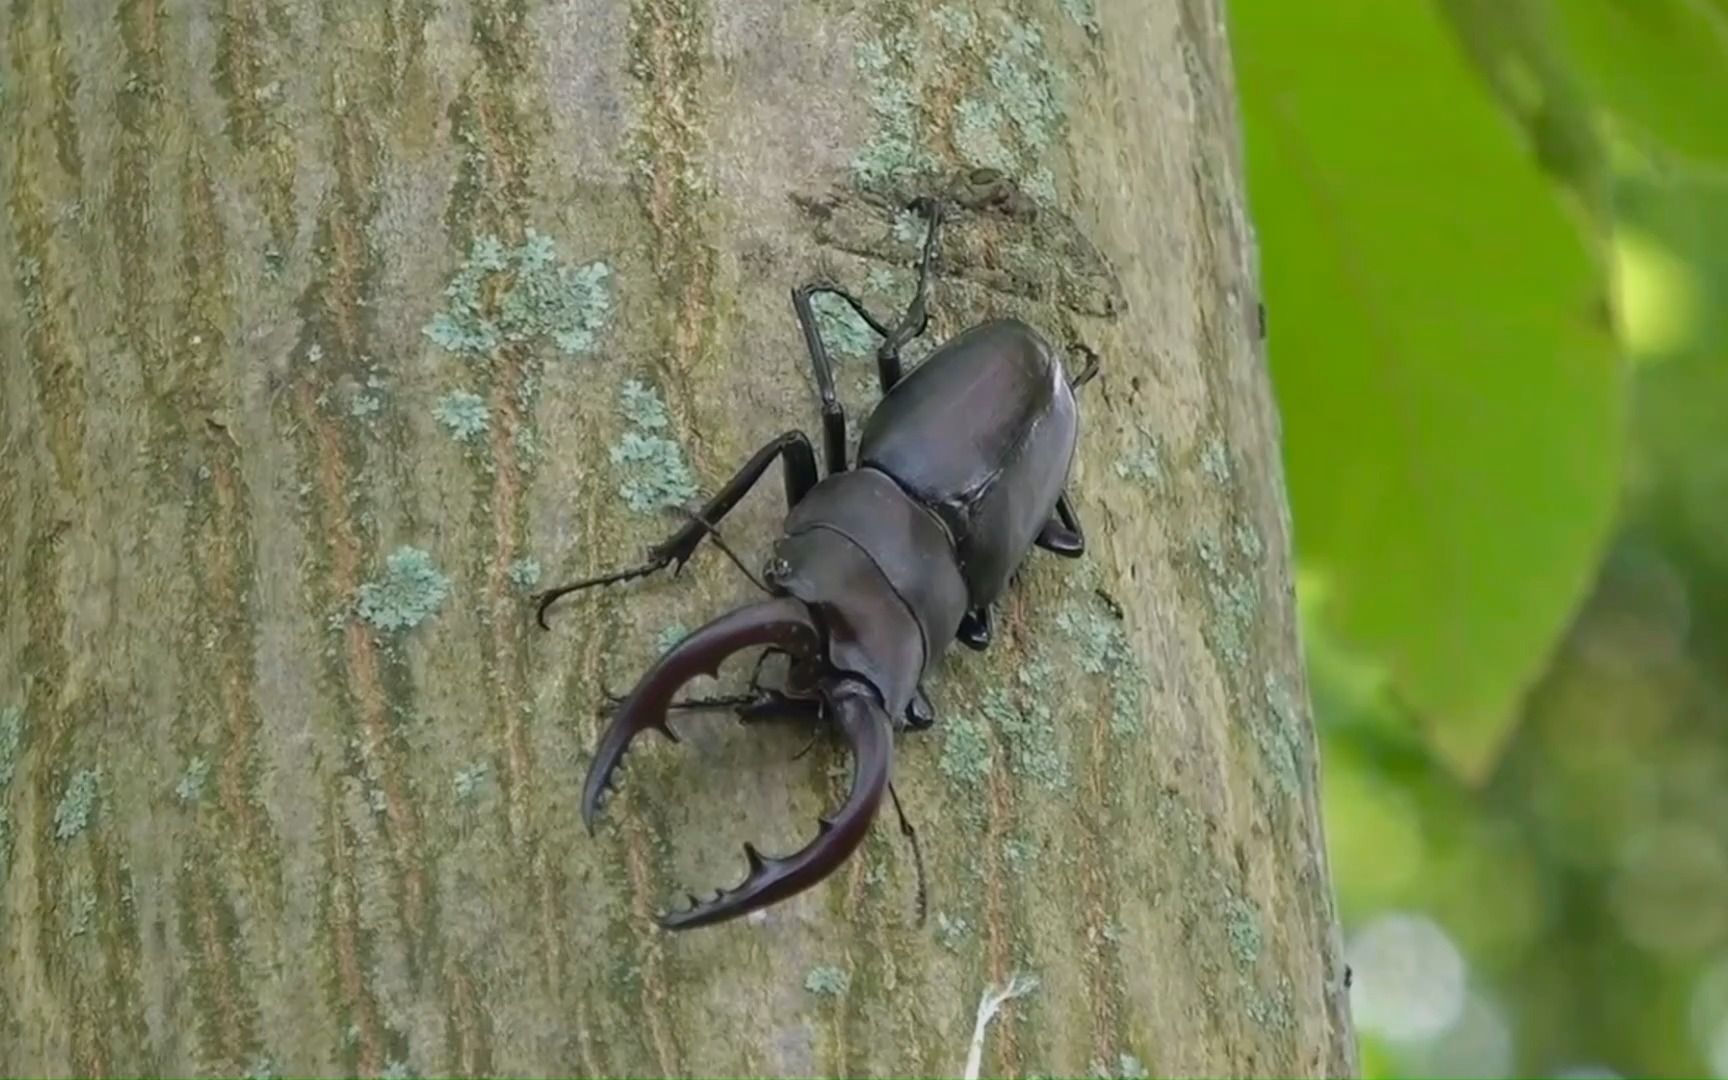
x,y
1143,460
965,757
1248,543
11,738
366,405
1103,649
463,414
516,295
957,22
191,786
524,573
1028,730
1278,733
910,227
1008,121
895,151
954,930
1242,925
1084,13
468,779
1272,1013
411,590
1026,84
1235,599
77,803
1215,460
670,636
827,981
642,406
1040,183
653,473
845,334
882,281
977,135
396,1069
262,1068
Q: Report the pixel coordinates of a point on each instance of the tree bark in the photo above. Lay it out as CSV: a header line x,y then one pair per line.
x,y
326,326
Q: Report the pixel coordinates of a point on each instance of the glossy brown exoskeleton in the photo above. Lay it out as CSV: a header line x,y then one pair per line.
x,y
961,471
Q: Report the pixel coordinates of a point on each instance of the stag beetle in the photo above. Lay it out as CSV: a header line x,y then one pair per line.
x,y
961,469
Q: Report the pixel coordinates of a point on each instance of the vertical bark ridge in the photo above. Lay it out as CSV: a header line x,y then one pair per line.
x,y
250,85
364,1039
209,925
43,266
44,276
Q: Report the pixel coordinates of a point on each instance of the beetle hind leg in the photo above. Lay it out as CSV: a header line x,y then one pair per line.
x,y
976,629
1062,534
920,716
916,319
913,322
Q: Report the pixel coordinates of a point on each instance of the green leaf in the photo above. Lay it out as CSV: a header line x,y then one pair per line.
x,y
1659,66
1453,402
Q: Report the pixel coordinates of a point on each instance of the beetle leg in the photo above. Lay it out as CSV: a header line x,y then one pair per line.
x,y
917,316
912,324
1062,534
974,630
919,714
833,412
798,462
861,717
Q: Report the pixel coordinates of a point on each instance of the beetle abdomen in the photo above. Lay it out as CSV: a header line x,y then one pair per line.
x,y
983,432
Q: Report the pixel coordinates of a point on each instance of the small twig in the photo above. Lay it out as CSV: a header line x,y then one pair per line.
x,y
988,1006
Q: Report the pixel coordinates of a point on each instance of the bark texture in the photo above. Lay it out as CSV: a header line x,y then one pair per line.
x,y
326,327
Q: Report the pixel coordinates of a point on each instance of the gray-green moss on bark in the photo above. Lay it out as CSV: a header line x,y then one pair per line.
x,y
328,331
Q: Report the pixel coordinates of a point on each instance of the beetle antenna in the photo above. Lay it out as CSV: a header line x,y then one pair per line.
x,y
911,834
714,534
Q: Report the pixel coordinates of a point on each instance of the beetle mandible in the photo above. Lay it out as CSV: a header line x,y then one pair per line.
x,y
962,468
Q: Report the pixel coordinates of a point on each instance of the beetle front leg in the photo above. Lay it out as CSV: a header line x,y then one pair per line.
x,y
798,462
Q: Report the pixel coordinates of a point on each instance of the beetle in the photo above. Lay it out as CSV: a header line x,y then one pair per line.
x,y
962,469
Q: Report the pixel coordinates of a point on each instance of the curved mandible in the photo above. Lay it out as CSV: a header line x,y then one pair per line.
x,y
771,880
784,622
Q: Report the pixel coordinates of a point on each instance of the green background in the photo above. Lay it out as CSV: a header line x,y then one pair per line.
x,y
1495,251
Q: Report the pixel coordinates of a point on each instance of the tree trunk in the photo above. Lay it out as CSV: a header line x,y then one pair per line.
x,y
330,331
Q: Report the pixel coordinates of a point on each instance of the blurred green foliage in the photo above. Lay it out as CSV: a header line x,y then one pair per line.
x,y
1495,256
